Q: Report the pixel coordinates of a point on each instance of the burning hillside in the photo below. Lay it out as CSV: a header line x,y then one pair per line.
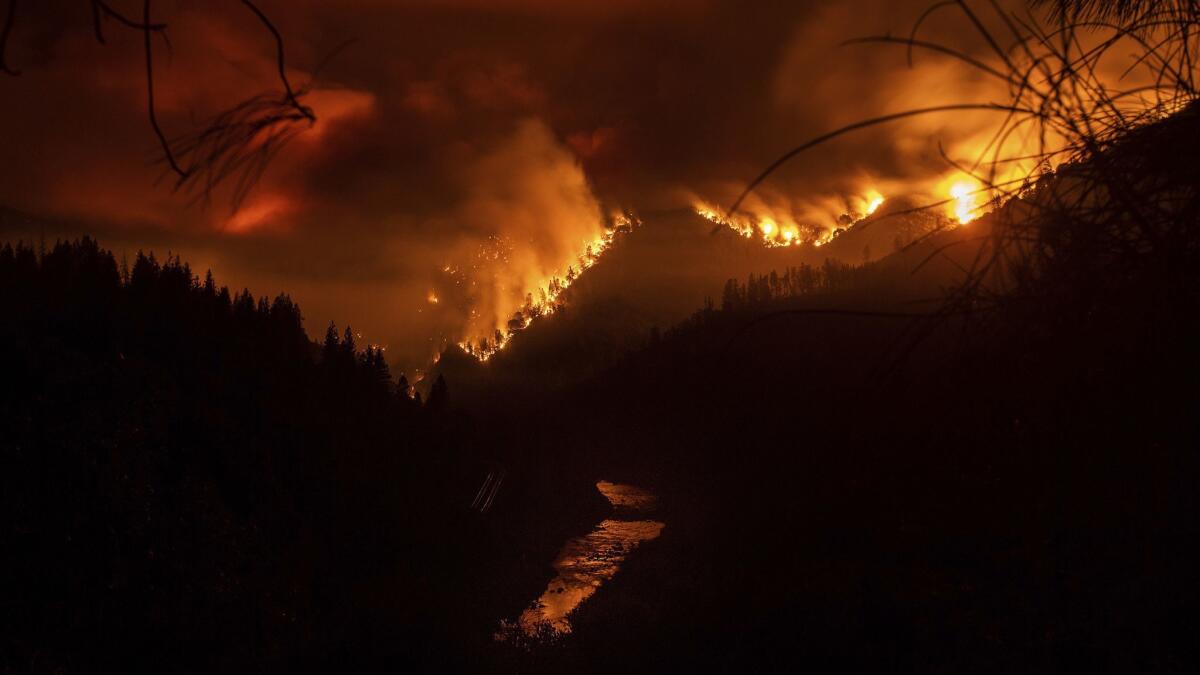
x,y
545,297
778,230
964,201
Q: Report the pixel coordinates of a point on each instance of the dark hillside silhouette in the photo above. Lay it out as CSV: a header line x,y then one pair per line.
x,y
169,444
858,476
877,484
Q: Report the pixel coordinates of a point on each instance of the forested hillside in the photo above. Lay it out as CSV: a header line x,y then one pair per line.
x,y
168,444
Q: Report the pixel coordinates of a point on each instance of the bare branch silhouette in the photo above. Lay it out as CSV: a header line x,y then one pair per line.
x,y
1102,195
280,61
148,29
237,143
875,121
240,142
102,10
932,46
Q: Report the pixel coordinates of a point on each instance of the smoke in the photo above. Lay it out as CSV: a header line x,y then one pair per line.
x,y
820,83
527,214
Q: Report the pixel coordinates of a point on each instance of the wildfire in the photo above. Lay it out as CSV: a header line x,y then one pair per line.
x,y
775,232
432,298
766,229
874,201
963,193
546,299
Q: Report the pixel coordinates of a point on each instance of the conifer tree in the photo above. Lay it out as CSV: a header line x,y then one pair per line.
x,y
439,396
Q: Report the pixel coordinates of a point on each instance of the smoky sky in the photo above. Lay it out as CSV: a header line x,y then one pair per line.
x,y
451,131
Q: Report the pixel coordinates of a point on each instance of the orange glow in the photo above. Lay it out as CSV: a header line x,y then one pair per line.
x,y
337,106
765,228
874,201
432,298
779,228
585,563
963,193
545,300
259,213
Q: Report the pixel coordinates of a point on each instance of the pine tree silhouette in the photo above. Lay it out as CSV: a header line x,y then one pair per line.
x,y
439,396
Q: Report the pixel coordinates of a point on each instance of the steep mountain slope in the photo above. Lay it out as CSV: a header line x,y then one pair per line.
x,y
658,275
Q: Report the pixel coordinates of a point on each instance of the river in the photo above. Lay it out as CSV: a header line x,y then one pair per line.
x,y
585,563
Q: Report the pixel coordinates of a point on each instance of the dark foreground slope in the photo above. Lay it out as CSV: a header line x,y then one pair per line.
x,y
190,485
1007,488
1009,504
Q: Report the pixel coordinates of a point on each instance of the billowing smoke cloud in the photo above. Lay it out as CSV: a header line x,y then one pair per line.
x,y
821,83
531,213
527,215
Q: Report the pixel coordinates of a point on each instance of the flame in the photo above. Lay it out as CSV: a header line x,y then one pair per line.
x,y
874,201
964,205
432,298
766,229
545,300
713,216
775,231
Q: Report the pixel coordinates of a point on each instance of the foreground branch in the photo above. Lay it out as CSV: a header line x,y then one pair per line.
x,y
862,125
281,62
148,30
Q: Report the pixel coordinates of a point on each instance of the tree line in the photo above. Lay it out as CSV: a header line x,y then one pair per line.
x,y
804,279
169,444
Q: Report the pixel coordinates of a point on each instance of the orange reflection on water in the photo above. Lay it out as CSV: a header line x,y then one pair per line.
x,y
584,563
627,497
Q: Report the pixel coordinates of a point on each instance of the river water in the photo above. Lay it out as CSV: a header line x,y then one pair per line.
x,y
585,563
